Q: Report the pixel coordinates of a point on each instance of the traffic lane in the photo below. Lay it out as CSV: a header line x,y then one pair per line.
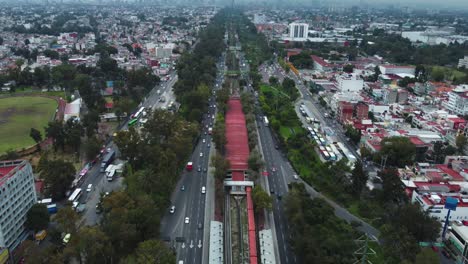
x,y
90,215
274,186
197,204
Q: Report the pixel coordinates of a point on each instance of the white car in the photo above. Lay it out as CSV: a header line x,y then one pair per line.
x,y
201,154
296,177
90,187
204,140
187,220
172,210
203,189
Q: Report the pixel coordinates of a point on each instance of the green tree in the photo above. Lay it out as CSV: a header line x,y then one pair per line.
x,y
358,178
58,176
151,251
35,135
437,74
427,256
273,81
67,220
261,199
392,187
397,151
460,142
221,166
92,147
348,68
56,131
255,161
73,130
93,245
37,218
90,122
129,143
41,76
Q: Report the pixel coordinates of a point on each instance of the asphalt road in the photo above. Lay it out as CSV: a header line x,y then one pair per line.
x,y
191,202
282,165
280,173
98,179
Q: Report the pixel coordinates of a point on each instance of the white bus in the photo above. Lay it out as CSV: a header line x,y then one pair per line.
x,y
138,113
75,195
265,120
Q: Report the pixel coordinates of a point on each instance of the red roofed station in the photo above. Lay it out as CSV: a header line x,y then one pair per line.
x,y
237,146
237,152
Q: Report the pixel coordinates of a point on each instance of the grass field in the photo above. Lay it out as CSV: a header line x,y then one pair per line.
x,y
18,115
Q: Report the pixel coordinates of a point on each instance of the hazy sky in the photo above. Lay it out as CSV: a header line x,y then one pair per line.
x,y
420,4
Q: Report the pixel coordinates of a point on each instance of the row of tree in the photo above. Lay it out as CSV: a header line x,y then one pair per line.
x,y
197,70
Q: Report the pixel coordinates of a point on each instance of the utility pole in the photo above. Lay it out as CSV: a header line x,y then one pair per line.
x,y
362,253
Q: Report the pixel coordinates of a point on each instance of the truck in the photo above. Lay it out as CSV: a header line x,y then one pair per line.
x,y
108,158
110,171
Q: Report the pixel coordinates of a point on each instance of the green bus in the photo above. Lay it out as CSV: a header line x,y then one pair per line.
x,y
132,122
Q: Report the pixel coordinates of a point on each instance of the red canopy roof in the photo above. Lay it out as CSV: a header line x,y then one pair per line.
x,y
237,146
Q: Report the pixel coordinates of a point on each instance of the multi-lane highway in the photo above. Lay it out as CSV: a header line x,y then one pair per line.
x,y
186,228
280,173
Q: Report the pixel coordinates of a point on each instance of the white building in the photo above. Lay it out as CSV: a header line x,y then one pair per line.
x,y
349,83
395,69
458,100
17,195
432,196
72,110
463,62
298,31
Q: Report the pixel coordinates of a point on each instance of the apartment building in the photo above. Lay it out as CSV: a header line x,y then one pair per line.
x,y
17,196
458,100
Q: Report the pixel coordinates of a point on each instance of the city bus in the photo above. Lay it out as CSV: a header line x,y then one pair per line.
x,y
138,113
325,155
132,122
75,195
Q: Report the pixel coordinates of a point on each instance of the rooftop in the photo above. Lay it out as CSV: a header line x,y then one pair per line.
x,y
8,169
320,61
237,146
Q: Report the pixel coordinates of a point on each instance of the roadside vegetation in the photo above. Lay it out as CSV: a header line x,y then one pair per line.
x,y
156,155
388,209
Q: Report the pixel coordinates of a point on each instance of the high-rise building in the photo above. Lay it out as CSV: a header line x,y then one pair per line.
x,y
17,196
298,31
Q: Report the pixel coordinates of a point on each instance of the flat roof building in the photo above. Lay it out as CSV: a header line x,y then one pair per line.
x,y
17,196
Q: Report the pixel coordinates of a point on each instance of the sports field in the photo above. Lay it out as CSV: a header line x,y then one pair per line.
x,y
18,115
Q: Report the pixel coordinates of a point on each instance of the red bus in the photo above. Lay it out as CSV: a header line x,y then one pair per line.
x,y
189,166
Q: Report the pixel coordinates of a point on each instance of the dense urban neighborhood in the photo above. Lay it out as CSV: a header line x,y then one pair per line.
x,y
233,132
